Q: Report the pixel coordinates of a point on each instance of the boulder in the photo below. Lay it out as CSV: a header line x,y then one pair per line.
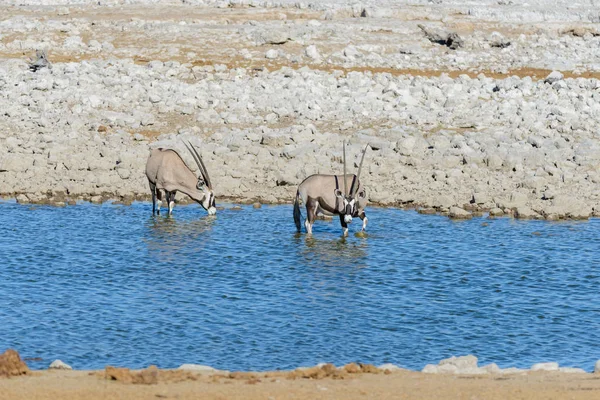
x,y
459,213
526,213
462,363
58,364
11,364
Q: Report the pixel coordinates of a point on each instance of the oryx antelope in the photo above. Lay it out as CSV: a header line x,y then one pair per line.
x,y
167,171
322,194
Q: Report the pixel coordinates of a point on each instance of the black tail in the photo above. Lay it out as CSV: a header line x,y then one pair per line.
x,y
297,213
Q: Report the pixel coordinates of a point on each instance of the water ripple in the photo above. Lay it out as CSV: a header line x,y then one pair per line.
x,y
97,285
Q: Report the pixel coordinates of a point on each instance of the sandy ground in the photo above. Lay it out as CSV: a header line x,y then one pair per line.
x,y
76,385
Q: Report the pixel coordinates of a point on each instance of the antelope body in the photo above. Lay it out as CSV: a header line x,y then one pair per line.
x,y
166,171
322,194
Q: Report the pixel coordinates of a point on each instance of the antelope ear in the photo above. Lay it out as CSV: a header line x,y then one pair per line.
x,y
200,184
338,193
362,194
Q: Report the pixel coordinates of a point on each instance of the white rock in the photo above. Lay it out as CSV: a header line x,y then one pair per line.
x,y
271,54
58,364
548,366
554,76
459,213
492,368
390,367
462,362
312,52
197,368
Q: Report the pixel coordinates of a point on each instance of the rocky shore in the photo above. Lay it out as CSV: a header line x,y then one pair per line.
x,y
453,378
486,106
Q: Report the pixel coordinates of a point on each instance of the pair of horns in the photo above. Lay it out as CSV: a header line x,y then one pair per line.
x,y
201,166
359,169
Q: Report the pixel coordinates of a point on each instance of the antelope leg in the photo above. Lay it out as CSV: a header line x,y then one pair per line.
x,y
311,215
159,201
344,225
364,218
153,191
171,201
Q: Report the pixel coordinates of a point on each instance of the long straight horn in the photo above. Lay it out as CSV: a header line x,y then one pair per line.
x,y
360,166
345,188
199,162
205,174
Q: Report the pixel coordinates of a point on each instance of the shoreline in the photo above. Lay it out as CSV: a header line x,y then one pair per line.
x,y
454,213
453,378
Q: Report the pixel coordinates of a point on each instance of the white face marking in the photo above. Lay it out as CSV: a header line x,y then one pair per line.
x,y
206,200
347,218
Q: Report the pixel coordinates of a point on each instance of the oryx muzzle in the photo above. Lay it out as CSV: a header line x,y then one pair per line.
x,y
322,194
167,171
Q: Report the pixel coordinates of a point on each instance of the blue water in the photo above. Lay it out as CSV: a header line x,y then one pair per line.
x,y
113,285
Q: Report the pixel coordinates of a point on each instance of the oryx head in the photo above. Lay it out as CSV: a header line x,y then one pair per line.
x,y
204,185
350,199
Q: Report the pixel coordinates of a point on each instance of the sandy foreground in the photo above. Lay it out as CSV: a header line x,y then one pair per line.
x,y
75,385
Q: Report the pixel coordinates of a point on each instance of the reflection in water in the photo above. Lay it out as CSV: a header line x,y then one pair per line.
x,y
317,251
167,236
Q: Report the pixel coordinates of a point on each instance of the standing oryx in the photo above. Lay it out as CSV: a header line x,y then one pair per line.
x,y
321,193
167,171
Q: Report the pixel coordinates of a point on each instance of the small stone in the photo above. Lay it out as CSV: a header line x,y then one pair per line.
x,y
312,52
492,368
271,54
459,213
597,367
549,366
58,364
526,213
197,368
554,76
430,369
256,205
22,199
468,362
389,367
496,212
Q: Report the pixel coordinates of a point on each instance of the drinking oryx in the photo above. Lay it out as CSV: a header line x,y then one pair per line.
x,y
167,171
322,194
